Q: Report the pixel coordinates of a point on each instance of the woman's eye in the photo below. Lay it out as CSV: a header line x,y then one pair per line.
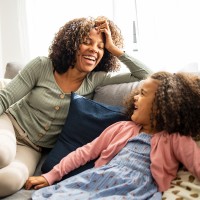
x,y
86,41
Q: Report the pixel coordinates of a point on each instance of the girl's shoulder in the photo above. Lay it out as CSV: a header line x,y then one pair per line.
x,y
128,126
172,139
127,123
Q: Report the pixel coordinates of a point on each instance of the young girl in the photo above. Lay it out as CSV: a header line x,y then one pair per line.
x,y
136,159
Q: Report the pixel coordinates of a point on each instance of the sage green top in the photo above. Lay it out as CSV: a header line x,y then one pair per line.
x,y
40,106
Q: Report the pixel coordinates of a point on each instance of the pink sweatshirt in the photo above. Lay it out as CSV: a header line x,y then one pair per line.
x,y
166,153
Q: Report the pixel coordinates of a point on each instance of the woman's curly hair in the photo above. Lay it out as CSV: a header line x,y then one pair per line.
x,y
66,43
176,107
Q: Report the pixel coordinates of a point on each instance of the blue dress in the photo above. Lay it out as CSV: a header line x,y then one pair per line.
x,y
127,176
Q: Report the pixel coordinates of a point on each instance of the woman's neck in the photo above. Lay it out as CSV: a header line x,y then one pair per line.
x,y
72,74
69,81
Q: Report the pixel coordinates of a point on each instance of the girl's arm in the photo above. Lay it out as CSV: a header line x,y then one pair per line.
x,y
187,152
75,159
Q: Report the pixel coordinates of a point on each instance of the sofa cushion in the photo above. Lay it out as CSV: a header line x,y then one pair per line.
x,y
85,121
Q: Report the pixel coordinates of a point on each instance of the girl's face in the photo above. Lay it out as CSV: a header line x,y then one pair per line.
x,y
90,52
143,103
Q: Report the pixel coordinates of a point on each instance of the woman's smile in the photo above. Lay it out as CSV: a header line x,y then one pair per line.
x,y
89,59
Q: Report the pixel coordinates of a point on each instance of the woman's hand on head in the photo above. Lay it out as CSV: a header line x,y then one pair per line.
x,y
36,182
103,26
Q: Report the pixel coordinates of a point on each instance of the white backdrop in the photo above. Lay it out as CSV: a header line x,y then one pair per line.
x,y
167,30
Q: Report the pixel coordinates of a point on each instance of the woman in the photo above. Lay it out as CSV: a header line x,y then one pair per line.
x,y
34,105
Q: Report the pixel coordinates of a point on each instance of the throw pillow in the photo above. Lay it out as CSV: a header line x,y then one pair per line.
x,y
85,121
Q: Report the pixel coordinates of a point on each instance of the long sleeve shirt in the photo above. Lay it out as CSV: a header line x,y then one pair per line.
x,y
167,151
39,105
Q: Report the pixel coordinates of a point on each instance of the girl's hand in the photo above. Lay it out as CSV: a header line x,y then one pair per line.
x,y
36,182
102,26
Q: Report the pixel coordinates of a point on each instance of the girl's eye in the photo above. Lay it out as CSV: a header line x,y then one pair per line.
x,y
141,93
101,47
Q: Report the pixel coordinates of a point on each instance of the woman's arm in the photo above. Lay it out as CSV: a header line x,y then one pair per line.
x,y
138,70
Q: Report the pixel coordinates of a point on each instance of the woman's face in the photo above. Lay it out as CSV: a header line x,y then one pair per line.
x,y
143,103
90,52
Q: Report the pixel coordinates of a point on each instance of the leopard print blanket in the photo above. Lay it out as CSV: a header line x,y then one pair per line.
x,y
184,187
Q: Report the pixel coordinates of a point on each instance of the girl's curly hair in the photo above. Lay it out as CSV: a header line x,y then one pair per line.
x,y
176,107
66,43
